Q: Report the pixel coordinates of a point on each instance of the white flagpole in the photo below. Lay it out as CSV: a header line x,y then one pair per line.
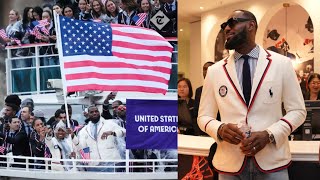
x,y
60,51
63,76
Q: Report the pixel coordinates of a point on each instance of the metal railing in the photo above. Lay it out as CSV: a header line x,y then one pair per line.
x,y
30,77
24,66
23,166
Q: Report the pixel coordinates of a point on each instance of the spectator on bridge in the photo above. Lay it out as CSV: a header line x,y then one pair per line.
x,y
112,11
129,11
57,8
68,11
37,13
84,11
145,6
98,11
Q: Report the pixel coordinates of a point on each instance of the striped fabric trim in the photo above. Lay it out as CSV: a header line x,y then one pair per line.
x,y
287,123
205,127
271,170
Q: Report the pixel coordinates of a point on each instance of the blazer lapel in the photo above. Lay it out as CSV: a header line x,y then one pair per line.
x,y
230,68
262,68
100,127
88,129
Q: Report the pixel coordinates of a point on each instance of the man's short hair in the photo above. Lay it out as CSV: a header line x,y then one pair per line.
x,y
29,108
118,101
58,112
249,15
13,99
63,106
13,106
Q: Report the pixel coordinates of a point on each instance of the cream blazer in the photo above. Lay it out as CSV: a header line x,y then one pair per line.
x,y
104,149
53,145
275,82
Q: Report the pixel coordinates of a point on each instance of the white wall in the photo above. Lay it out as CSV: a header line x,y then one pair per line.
x,y
263,10
196,62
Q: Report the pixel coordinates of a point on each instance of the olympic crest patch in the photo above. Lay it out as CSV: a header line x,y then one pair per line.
x,y
223,90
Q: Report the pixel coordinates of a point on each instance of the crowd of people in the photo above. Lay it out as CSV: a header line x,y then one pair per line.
x,y
24,131
105,11
36,25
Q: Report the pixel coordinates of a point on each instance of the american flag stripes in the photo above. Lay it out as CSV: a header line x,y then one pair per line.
x,y
42,26
85,153
98,56
36,33
140,18
3,35
2,149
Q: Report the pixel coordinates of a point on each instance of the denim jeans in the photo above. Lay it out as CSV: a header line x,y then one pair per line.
x,y
251,172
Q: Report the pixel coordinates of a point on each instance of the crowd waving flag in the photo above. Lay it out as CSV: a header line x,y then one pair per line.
x,y
113,57
3,35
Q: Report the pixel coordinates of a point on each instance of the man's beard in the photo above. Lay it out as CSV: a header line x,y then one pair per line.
x,y
95,120
237,40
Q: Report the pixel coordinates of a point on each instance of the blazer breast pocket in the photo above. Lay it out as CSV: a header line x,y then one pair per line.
x,y
271,92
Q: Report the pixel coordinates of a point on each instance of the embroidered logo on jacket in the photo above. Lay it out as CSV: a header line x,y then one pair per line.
x,y
223,90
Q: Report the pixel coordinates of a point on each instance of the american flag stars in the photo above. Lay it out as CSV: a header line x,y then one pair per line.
x,y
86,38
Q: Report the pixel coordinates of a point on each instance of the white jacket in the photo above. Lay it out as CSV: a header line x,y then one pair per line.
x,y
104,149
55,151
275,82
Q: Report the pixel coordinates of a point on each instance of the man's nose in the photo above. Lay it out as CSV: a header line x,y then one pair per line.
x,y
227,29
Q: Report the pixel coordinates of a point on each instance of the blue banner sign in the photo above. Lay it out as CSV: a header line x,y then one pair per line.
x,y
151,124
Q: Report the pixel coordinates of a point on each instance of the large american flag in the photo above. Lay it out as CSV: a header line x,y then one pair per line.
x,y
98,56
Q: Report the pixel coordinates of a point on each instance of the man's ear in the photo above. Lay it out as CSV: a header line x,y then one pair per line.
x,y
252,26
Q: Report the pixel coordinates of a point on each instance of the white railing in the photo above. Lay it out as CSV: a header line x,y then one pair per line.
x,y
35,67
32,71
120,169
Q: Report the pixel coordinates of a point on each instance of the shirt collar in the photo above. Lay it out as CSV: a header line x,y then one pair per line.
x,y
254,53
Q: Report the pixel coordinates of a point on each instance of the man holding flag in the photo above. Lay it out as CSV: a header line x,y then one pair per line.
x,y
99,135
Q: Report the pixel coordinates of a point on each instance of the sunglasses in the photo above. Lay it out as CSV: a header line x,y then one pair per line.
x,y
232,22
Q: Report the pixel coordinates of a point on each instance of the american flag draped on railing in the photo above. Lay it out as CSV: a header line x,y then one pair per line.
x,y
98,56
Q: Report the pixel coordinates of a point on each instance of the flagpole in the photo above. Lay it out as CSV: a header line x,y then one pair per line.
x,y
60,52
63,77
